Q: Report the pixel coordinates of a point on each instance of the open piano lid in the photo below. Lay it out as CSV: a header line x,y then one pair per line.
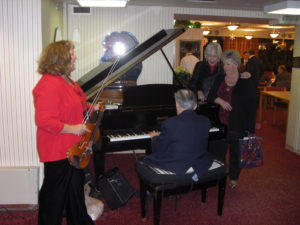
x,y
93,80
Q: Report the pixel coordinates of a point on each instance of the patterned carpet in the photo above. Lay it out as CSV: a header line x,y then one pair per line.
x,y
268,195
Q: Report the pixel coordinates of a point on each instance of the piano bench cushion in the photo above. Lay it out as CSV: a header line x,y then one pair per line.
x,y
159,182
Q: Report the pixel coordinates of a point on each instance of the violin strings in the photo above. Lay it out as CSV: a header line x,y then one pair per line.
x,y
95,100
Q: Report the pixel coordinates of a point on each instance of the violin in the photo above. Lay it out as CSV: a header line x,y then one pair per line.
x,y
79,154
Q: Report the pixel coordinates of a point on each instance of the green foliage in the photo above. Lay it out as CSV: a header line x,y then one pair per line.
x,y
186,24
197,25
183,75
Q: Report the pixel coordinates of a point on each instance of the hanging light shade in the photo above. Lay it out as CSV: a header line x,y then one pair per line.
x,y
248,37
232,26
206,32
274,35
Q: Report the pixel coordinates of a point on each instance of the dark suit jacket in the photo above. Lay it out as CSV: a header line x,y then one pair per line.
x,y
255,67
182,144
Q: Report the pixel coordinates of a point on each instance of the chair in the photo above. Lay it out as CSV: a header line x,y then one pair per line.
x,y
277,104
160,185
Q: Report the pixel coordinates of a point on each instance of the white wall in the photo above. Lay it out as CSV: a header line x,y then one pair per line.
x,y
52,17
20,45
143,22
293,124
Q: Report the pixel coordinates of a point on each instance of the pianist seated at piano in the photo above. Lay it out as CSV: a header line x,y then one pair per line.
x,y
181,146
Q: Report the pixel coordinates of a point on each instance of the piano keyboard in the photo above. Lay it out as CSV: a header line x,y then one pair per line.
x,y
127,136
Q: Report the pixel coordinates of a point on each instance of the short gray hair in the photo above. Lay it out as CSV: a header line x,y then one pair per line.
x,y
213,49
186,99
232,55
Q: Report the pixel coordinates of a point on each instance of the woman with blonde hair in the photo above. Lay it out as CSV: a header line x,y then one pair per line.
x,y
237,99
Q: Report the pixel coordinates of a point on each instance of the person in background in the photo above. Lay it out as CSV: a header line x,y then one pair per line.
x,y
59,108
283,78
206,71
245,58
237,99
244,61
181,146
255,67
189,60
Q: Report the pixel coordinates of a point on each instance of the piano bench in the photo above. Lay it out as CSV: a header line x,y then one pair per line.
x,y
161,185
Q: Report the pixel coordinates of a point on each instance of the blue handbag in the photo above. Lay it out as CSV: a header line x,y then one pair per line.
x,y
251,152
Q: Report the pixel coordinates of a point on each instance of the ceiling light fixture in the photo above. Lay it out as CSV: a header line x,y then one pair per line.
x,y
232,27
285,7
206,32
102,3
274,35
248,37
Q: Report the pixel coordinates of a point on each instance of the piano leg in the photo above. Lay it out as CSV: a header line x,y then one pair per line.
x,y
99,162
148,150
218,149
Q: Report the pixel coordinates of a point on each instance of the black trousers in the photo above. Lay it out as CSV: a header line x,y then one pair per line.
x,y
219,149
62,191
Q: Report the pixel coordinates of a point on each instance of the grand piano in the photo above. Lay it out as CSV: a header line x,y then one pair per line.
x,y
143,107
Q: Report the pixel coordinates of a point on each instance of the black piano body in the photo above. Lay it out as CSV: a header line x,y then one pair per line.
x,y
144,107
143,110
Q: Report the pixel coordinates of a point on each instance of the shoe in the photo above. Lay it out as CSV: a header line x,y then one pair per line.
x,y
233,183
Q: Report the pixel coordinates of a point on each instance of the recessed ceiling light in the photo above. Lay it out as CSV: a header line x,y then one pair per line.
x,y
102,3
202,1
286,8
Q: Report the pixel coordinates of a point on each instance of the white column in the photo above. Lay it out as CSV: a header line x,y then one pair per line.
x,y
293,125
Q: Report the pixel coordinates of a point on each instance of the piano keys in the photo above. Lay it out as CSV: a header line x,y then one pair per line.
x,y
127,135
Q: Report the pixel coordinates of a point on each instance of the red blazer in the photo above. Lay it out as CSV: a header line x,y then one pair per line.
x,y
56,103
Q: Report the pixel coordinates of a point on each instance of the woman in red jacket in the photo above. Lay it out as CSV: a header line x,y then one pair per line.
x,y
59,108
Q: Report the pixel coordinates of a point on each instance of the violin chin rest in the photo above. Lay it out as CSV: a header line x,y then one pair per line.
x,y
75,161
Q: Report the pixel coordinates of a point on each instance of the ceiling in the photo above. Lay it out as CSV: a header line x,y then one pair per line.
x,y
254,26
257,5
223,4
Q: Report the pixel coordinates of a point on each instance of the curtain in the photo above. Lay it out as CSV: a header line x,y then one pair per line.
x,y
241,44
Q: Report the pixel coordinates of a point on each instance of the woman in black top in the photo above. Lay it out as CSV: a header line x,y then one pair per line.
x,y
205,72
237,99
